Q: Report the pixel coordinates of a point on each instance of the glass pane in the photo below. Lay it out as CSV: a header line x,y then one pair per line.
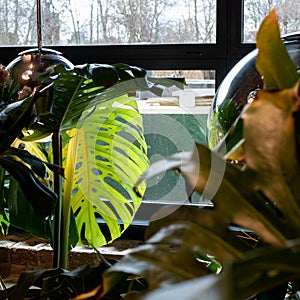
x,y
172,126
67,22
255,10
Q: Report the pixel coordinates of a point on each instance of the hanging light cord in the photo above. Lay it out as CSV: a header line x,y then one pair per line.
x,y
39,24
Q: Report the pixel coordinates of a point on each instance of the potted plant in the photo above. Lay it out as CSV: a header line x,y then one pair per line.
x,y
245,242
99,131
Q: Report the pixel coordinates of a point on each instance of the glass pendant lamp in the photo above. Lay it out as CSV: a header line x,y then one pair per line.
x,y
30,64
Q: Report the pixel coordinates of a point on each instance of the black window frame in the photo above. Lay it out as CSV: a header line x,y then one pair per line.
x,y
220,56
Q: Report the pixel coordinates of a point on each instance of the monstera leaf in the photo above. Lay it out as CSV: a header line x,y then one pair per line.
x,y
76,94
79,89
107,154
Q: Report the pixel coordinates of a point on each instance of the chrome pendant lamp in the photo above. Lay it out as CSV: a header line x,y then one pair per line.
x,y
30,64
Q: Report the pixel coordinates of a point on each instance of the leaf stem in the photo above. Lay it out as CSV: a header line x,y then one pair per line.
x,y
57,159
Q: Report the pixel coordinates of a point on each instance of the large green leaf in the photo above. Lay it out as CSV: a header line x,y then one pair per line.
x,y
110,156
264,269
22,214
79,89
42,198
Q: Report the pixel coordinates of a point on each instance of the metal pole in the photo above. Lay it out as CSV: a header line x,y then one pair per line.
x,y
39,23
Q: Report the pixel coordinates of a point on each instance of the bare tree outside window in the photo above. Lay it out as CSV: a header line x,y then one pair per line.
x,y
255,10
109,22
76,22
17,21
202,20
142,21
18,25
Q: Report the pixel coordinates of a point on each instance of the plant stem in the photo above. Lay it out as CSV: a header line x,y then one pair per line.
x,y
57,159
69,175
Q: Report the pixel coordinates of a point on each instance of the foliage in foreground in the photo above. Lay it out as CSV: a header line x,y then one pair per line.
x,y
252,226
251,229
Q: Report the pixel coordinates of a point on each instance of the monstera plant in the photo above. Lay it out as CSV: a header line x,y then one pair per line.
x,y
99,132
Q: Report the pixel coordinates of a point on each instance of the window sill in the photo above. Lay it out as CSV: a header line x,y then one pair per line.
x,y
21,252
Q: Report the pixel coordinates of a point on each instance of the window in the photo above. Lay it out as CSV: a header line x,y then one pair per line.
x,y
181,50
170,128
211,42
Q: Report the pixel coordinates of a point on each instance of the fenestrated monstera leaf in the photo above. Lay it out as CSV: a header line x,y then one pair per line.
x,y
77,90
109,154
76,94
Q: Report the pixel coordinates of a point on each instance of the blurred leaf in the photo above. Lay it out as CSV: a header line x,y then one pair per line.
x,y
167,258
271,152
265,269
210,287
113,284
210,231
273,62
26,280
